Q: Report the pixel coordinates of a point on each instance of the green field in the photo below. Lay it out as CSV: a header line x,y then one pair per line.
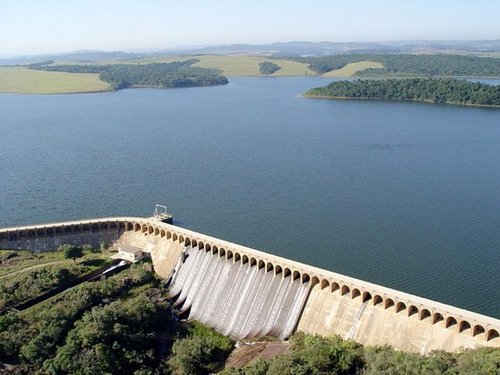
x,y
240,65
350,69
231,65
20,80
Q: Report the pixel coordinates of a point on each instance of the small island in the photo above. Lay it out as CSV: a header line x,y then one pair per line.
x,y
442,90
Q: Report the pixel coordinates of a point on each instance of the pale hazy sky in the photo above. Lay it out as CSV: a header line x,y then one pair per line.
x,y
45,26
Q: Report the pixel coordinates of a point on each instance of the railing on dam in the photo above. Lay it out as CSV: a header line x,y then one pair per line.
x,y
460,321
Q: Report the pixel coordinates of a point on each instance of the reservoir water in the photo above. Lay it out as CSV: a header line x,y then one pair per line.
x,y
405,195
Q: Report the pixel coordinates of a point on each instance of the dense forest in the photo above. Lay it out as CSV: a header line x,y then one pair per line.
x,y
120,325
125,325
410,65
443,90
268,67
174,74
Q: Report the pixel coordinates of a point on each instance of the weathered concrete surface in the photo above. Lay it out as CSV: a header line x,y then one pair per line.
x,y
366,312
330,313
164,253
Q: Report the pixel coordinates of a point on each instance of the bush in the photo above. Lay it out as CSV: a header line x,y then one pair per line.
x,y
202,352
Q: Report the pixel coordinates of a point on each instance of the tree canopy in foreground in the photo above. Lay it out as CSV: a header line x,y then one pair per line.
x,y
444,90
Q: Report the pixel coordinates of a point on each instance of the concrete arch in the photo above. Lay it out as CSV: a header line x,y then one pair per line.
x,y
229,254
269,267
305,278
366,297
244,259
287,272
215,249
187,241
130,226
150,229
492,335
335,287
174,236
261,264
424,314
162,233
222,251
207,247
181,239
194,243
388,303
450,322
201,245
295,275
237,257
345,290
355,293
253,261
401,306
412,310
437,318
324,284
314,280
137,227
157,231
278,270
464,326
478,330
377,300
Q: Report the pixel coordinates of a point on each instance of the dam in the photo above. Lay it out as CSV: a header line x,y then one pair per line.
x,y
246,293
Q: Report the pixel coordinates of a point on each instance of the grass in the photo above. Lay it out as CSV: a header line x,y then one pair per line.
x,y
15,261
231,65
352,68
19,80
240,65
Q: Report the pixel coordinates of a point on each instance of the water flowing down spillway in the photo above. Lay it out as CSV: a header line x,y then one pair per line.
x,y
237,299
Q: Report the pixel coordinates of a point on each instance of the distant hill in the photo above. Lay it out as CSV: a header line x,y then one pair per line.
x,y
297,48
77,56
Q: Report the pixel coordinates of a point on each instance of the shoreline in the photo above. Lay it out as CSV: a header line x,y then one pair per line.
x,y
397,100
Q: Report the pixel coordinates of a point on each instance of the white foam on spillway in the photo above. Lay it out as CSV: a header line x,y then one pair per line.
x,y
238,300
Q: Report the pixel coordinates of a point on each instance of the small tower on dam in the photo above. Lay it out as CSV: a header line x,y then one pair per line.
x,y
161,214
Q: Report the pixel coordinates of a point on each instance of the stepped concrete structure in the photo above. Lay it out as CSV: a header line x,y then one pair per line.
x,y
247,293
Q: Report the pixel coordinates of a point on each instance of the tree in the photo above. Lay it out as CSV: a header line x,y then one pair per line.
x,y
71,251
268,67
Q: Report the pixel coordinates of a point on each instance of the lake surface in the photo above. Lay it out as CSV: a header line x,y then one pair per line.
x,y
405,195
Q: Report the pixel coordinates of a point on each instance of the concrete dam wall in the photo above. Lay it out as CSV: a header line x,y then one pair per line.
x,y
246,293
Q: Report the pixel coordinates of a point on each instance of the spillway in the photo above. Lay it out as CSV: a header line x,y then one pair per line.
x,y
239,299
247,293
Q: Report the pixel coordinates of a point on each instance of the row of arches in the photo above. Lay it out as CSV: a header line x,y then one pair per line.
x,y
430,315
60,229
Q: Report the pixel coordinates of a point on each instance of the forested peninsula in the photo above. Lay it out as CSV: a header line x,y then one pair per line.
x,y
409,65
120,76
449,91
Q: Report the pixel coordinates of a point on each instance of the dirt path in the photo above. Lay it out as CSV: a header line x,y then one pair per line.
x,y
12,273
247,353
